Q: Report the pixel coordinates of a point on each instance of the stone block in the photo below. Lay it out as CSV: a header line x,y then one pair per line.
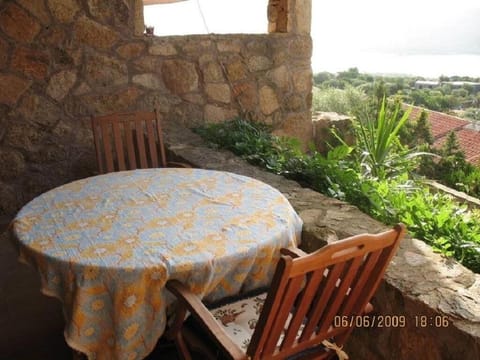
x,y
10,202
323,125
280,77
121,100
196,45
302,80
4,50
216,114
18,24
37,9
114,12
61,83
12,88
246,93
180,76
131,50
13,164
212,72
94,34
149,81
54,37
303,16
268,100
40,110
295,103
64,10
22,135
147,63
104,71
236,70
231,45
31,62
259,63
297,125
162,48
218,92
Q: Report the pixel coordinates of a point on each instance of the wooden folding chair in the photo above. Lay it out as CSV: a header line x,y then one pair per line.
x,y
128,141
310,309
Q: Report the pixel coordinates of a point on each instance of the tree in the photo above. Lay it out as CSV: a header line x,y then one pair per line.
x,y
423,130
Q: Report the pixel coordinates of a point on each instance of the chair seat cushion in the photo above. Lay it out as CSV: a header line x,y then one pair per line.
x,y
239,318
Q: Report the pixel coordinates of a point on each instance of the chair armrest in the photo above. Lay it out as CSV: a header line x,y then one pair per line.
x,y
293,252
191,302
174,164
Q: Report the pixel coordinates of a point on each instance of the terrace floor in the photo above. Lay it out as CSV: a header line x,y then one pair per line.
x,y
57,349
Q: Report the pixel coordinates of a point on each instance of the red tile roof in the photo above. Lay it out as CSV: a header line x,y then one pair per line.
x,y
442,124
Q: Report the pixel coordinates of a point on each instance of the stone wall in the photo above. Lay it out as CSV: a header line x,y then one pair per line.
x,y
64,60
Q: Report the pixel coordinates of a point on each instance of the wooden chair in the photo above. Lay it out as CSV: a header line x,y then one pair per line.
x,y
312,305
128,141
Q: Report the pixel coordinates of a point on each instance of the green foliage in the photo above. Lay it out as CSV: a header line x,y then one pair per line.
x,y
448,227
435,218
382,154
442,98
342,101
254,143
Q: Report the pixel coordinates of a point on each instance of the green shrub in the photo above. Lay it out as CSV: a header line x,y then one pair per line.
x,y
448,227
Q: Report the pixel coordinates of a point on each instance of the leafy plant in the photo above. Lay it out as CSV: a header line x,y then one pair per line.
x,y
382,153
438,220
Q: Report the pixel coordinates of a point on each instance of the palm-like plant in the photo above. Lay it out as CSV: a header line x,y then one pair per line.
x,y
382,154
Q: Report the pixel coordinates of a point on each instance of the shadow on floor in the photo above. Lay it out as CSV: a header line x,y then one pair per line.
x,y
57,349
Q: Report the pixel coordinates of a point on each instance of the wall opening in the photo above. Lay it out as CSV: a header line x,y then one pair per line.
x,y
191,17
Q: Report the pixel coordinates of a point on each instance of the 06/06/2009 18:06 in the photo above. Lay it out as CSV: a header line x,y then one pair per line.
x,y
385,321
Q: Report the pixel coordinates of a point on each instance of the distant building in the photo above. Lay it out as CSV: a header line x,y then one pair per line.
x,y
426,84
430,84
460,84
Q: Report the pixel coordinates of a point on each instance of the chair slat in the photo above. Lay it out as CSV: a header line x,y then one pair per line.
x,y
303,306
152,142
163,156
98,148
320,302
117,136
132,160
107,145
293,288
358,284
141,143
327,318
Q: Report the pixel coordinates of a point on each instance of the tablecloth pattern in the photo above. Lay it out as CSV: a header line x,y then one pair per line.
x,y
106,245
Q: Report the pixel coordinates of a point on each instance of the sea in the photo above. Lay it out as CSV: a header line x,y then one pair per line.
x,y
427,66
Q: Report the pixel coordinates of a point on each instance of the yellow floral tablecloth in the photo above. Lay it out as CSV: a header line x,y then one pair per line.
x,y
106,245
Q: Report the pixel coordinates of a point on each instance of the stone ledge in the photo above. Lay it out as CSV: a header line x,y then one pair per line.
x,y
418,282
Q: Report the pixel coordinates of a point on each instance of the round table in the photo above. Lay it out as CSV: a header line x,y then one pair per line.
x,y
106,245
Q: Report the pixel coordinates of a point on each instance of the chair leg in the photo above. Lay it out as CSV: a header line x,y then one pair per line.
x,y
182,347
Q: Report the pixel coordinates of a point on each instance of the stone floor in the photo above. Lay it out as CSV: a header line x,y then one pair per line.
x,y
57,349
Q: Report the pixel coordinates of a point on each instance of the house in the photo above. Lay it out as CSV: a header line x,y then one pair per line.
x,y
467,132
426,84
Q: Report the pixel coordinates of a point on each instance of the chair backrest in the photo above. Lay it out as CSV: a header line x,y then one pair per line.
x,y
312,294
128,141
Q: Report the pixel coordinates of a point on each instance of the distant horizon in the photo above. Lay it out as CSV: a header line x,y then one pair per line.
x,y
426,66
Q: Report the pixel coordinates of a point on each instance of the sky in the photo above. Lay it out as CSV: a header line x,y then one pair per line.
x,y
417,37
